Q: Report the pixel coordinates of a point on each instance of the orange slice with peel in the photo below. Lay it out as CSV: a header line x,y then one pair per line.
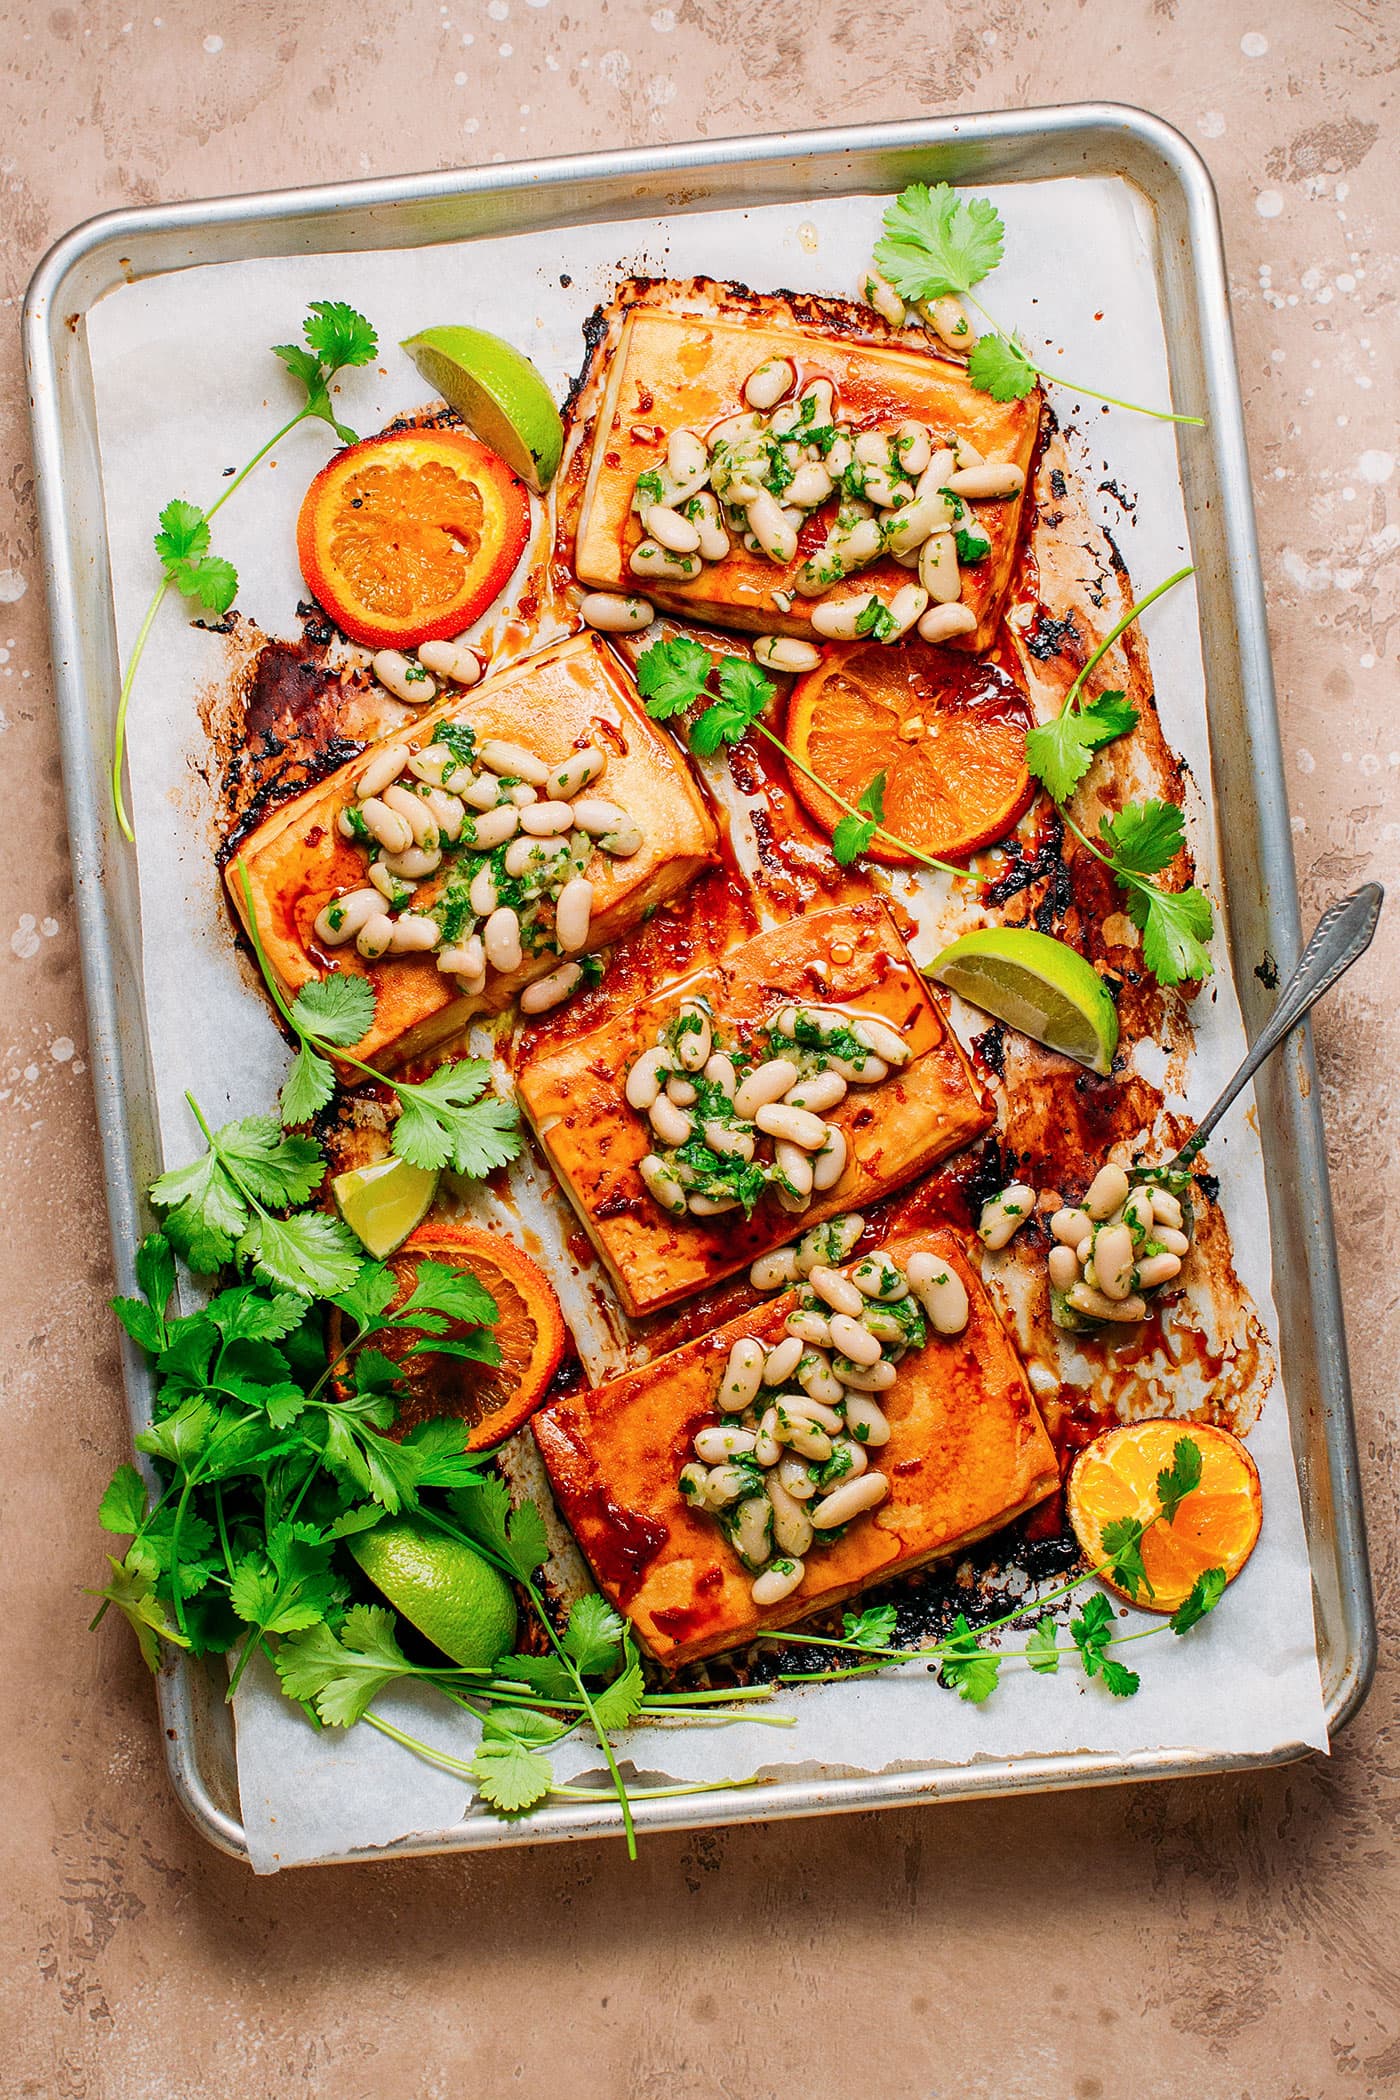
x,y
1215,1526
948,732
408,538
493,1399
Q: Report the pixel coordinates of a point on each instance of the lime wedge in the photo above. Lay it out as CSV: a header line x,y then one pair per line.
x,y
382,1204
1037,984
443,1587
498,394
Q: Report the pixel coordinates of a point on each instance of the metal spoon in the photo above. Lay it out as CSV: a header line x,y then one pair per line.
x,y
1343,933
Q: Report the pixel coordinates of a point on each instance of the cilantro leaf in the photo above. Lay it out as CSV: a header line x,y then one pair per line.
x,y
443,1121
1060,752
1181,1479
212,582
439,1287
965,1666
341,1676
594,1636
268,1166
543,1673
509,1776
1144,838
516,1537
337,1009
1120,1680
870,1629
937,242
1043,1647
247,1314
311,1253
133,1592
1175,927
338,334
1001,368
207,1215
183,535
1206,1592
181,1437
618,1702
289,1586
671,676
1092,1634
123,1506
746,691
155,1270
142,1322
1121,1541
307,1088
852,836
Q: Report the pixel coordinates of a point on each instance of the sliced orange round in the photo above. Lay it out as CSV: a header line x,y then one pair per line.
x,y
1215,1526
947,731
407,538
529,1332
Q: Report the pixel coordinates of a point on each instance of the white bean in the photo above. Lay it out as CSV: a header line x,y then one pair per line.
x,y
414,862
911,526
782,1360
940,1290
657,563
784,652
810,1327
341,919
914,446
995,479
778,1581
795,1125
537,998
1166,1209
877,291
947,317
670,529
662,1185
854,1455
767,1082
485,792
623,842
1004,1215
577,772
837,1290
865,1378
1113,1260
464,959
854,1340
712,1206
810,486
838,619
795,1478
687,457
405,679
792,1529
501,939
1157,1269
1138,1214
452,660
817,1094
726,1484
820,1383
938,568
704,514
1108,1192
1174,1242
850,1500
876,1276
384,767
720,1072
714,1445
873,448
865,1421
795,1171
1127,1311
1070,1225
941,622
414,934
610,613
743,1374
877,1035
730,1144
546,820
375,937
596,817
750,1530
513,761
767,383
804,1436
388,885
692,1480
1064,1267
770,528
694,1045
767,1451
573,914
386,826
810,1407
647,1077
536,858
671,1124
482,895
415,813
449,813
681,1091
774,1272
829,1164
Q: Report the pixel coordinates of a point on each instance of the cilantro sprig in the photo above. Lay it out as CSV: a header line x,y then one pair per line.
x,y
447,1119
937,243
337,337
1140,840
967,1665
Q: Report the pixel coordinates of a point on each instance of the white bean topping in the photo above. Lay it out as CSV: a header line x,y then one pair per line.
x,y
466,959
662,1185
817,1094
1085,1299
810,1327
941,622
341,919
829,1164
854,1340
795,1174
1004,1215
502,939
948,319
686,456
670,529
876,1276
996,478
784,652
767,1451
414,862
415,813
712,1206
388,885
482,895
573,914
1166,1209
595,816
1108,1192
671,1124
534,857
448,811
770,527
537,998
878,292
726,1484
452,660
839,619
795,1479
405,679
777,1581
940,1290
720,1072
795,1125
865,1421
414,933
694,1044
854,1456
767,383
743,1374
830,1242
704,514
610,613
1138,1214
546,820
1157,1269
792,1527
782,1360
651,560
837,1290
865,1378
773,1272
715,1445
819,1382
513,761
877,1035
375,936
804,1436
384,767
938,568
1174,1242
386,826
1070,1225
485,792
768,1082
810,1407
849,1500
681,1091
1064,1267
647,1077
732,1144
577,772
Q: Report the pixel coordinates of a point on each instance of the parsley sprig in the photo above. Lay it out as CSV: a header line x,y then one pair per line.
x,y
966,1665
1141,839
937,244
447,1119
337,337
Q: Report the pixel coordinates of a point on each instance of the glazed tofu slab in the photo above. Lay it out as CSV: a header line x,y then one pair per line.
x,y
569,696
895,1130
672,371
967,1453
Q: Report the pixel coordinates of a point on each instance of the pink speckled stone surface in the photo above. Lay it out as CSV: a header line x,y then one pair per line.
x,y
1227,1940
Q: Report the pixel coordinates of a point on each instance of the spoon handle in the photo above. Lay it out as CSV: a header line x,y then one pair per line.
x,y
1342,934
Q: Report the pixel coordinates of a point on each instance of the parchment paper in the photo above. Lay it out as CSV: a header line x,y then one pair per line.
x,y
186,390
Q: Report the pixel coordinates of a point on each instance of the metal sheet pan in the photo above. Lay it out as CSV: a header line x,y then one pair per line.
x,y
1251,810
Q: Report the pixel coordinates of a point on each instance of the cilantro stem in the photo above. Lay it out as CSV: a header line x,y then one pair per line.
x,y
929,860
447,1763
1134,612
1160,415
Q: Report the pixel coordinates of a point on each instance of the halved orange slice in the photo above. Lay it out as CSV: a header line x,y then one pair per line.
x,y
946,730
1215,1526
407,538
493,1399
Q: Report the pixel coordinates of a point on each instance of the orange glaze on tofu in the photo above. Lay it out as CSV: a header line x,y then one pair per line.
x,y
895,1130
967,1453
689,371
570,695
